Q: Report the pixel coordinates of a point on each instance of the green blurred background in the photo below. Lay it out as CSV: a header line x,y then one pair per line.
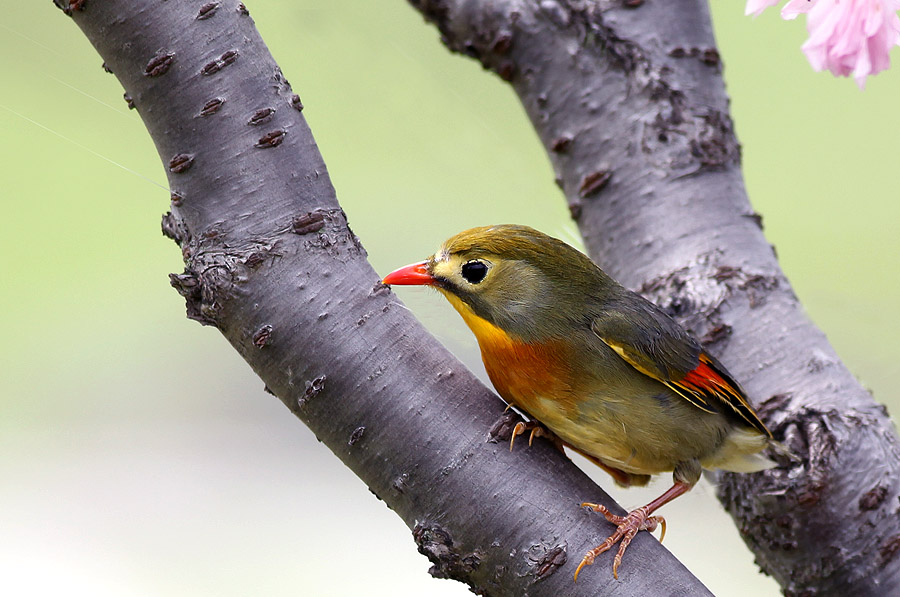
x,y
139,454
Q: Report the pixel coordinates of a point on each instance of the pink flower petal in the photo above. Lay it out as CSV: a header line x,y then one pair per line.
x,y
795,7
756,7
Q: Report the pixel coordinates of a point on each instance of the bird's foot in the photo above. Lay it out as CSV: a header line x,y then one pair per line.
x,y
510,426
627,527
537,430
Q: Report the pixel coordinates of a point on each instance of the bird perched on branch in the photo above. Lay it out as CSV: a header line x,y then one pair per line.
x,y
604,370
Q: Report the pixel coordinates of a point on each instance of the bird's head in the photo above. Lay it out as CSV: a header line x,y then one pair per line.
x,y
526,283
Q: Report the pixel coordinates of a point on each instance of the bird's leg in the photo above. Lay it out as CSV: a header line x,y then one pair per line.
x,y
629,525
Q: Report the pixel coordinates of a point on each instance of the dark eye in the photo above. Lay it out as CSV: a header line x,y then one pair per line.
x,y
474,271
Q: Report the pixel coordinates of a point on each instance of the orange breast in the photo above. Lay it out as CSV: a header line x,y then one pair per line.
x,y
535,377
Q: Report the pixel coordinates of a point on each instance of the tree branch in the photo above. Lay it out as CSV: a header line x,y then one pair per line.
x,y
271,262
628,99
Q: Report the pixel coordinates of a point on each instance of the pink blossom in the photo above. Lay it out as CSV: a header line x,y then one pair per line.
x,y
848,37
852,36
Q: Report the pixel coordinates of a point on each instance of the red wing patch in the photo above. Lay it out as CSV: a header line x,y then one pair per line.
x,y
707,385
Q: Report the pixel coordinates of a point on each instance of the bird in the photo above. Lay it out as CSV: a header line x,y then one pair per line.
x,y
597,367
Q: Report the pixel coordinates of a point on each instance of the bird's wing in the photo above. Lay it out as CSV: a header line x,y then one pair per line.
x,y
654,344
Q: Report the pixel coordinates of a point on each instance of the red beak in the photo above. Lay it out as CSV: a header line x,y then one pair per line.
x,y
415,274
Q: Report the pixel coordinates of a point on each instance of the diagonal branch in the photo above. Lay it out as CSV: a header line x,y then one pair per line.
x,y
271,263
628,99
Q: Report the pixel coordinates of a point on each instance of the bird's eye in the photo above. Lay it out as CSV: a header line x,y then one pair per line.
x,y
474,271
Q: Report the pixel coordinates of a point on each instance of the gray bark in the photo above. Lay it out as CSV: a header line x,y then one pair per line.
x,y
271,262
628,99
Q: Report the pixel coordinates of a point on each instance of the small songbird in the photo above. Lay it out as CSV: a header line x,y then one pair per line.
x,y
607,372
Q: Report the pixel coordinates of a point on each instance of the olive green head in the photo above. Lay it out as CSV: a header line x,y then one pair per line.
x,y
529,284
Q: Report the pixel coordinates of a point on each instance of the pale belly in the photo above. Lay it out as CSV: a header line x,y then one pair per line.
x,y
610,439
656,440
620,416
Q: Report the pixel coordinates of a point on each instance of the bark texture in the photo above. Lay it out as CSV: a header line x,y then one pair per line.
x,y
628,99
271,262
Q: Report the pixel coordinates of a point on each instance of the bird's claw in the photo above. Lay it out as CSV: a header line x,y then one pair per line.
x,y
537,430
626,528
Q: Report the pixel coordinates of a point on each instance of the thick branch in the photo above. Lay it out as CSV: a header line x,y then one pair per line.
x,y
271,262
628,99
